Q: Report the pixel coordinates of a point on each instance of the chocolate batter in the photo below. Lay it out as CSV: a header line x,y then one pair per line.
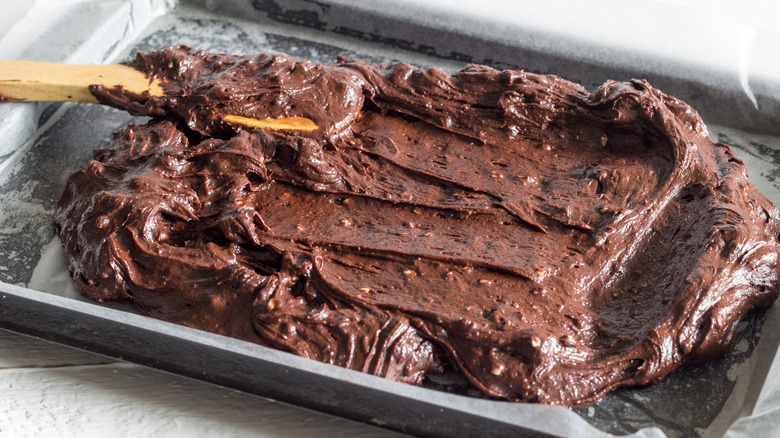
x,y
549,243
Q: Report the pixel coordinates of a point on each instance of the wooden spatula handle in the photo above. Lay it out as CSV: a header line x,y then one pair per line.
x,y
52,82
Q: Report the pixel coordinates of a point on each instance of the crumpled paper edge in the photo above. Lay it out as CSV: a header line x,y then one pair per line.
x,y
679,46
86,32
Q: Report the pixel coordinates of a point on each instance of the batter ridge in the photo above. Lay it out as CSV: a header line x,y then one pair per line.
x,y
548,243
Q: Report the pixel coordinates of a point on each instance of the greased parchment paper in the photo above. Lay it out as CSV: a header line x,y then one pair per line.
x,y
42,144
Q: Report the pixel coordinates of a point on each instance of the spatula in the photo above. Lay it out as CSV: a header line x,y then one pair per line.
x,y
53,82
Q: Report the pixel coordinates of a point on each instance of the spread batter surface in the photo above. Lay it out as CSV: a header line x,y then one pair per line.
x,y
549,243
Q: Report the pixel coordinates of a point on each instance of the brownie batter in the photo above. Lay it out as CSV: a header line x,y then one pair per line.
x,y
549,243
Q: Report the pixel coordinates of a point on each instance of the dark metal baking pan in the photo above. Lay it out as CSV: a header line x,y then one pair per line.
x,y
31,181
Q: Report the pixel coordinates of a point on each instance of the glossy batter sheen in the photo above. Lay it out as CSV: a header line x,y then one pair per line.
x,y
549,243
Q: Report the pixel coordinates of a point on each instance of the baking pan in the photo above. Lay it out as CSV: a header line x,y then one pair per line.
x,y
58,139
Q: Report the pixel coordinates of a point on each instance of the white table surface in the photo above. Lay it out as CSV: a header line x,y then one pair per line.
x,y
55,391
